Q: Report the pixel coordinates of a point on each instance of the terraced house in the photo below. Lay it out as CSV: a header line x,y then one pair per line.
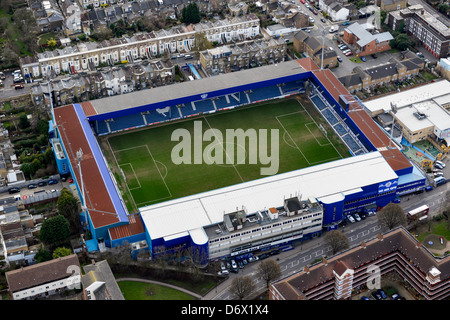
x,y
87,56
243,55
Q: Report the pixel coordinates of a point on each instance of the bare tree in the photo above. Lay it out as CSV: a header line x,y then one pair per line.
x,y
337,240
392,215
269,270
241,287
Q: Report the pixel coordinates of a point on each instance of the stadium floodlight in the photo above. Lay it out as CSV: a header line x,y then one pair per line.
x,y
81,182
394,111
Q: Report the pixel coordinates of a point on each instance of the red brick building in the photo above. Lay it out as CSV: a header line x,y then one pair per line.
x,y
362,42
396,251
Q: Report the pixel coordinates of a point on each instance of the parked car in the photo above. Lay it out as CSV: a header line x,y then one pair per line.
x,y
52,182
343,47
18,86
350,218
364,298
349,53
222,266
32,186
70,180
13,190
263,256
42,184
241,265
382,294
323,20
233,264
428,188
346,23
2,76
357,217
274,252
374,56
339,58
376,295
363,59
223,273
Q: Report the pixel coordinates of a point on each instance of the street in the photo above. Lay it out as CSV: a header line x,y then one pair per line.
x,y
313,250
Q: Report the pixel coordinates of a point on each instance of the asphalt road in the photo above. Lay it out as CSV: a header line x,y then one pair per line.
x,y
303,254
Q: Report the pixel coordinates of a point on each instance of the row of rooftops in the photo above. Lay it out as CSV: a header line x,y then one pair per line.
x,y
243,47
126,72
136,38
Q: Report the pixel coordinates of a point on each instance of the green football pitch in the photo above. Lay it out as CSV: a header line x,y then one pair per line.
x,y
145,162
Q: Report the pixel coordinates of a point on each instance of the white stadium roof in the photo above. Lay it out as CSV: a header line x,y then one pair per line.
x,y
327,182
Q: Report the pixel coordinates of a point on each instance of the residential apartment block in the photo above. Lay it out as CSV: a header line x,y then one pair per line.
x,y
391,5
362,42
393,70
432,31
313,48
88,55
245,54
396,251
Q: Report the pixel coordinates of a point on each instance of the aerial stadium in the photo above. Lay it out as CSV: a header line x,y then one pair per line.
x,y
333,160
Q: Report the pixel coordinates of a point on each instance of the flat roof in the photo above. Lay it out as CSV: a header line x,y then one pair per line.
x,y
327,181
408,97
191,88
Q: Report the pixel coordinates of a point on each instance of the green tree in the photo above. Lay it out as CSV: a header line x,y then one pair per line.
x,y
392,215
191,14
61,252
54,230
43,255
401,42
24,122
68,207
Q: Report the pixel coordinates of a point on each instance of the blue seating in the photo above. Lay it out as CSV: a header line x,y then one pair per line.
x,y
203,106
155,116
221,102
101,127
330,116
294,86
340,129
351,142
318,102
264,93
125,122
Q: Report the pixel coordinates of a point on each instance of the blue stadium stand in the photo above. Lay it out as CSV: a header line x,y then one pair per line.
x,y
318,102
101,127
330,116
231,100
126,122
260,94
204,106
293,87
